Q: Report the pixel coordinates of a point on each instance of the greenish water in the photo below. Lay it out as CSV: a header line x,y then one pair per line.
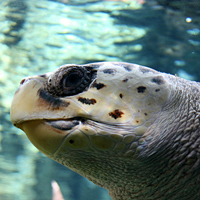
x,y
38,36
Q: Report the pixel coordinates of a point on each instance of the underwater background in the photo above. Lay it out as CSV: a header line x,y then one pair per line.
x,y
38,36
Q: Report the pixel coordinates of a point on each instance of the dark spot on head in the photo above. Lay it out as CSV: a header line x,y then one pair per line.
x,y
145,114
56,103
121,95
22,81
71,141
98,85
158,80
116,114
141,89
109,71
87,101
157,90
42,75
137,121
128,68
125,80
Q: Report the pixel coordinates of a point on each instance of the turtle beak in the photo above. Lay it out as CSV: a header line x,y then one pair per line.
x,y
31,102
26,115
24,101
44,118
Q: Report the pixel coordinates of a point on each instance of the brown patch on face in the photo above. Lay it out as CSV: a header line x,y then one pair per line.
x,y
98,86
53,102
87,101
22,81
116,114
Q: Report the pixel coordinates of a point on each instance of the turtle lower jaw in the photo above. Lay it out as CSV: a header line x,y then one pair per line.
x,y
51,135
48,135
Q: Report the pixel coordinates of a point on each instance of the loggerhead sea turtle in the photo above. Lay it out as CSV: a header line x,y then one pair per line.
x,y
126,127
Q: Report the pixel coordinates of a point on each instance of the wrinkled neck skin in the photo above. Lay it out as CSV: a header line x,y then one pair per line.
x,y
167,167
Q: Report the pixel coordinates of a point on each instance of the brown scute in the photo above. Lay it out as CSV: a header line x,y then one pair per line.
x,y
98,86
141,89
158,80
121,96
116,114
87,101
50,100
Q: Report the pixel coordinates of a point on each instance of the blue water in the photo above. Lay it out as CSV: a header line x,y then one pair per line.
x,y
38,36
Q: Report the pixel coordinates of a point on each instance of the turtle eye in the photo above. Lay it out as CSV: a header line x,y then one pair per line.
x,y
72,80
69,80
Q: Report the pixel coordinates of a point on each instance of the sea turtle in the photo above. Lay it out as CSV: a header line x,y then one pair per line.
x,y
126,127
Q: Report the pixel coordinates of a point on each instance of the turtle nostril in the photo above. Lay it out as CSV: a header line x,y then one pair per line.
x,y
22,81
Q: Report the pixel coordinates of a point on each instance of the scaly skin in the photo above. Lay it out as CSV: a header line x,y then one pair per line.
x,y
127,128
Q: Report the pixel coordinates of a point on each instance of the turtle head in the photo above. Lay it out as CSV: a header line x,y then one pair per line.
x,y
45,106
88,117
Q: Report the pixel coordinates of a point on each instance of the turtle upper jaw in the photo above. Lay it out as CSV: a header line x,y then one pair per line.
x,y
32,102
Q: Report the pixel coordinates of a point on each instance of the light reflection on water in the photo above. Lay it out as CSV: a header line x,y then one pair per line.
x,y
38,36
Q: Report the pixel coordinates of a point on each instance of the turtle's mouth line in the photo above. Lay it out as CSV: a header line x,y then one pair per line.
x,y
70,123
60,124
66,124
